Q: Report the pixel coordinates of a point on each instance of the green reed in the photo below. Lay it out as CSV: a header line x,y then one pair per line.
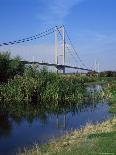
x,y
38,86
110,93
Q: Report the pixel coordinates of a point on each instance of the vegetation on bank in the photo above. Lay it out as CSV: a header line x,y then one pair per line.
x,y
23,87
103,74
39,86
9,67
110,92
30,84
92,139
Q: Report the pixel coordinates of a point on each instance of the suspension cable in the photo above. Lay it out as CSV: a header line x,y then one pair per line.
x,y
69,50
34,37
74,49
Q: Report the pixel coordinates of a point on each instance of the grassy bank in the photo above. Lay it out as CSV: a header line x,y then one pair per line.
x,y
92,139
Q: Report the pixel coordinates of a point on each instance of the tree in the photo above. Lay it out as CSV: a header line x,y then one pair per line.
x,y
9,67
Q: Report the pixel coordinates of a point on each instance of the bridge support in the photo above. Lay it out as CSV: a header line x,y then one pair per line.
x,y
60,32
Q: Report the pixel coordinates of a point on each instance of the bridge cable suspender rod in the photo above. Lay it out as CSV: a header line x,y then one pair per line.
x,y
75,49
69,51
72,47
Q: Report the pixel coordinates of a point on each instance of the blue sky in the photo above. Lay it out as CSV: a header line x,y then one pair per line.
x,y
91,25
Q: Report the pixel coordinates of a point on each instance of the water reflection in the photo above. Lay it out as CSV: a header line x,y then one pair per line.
x,y
94,88
24,124
5,126
41,113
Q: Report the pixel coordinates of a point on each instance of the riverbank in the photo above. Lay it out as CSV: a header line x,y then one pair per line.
x,y
92,139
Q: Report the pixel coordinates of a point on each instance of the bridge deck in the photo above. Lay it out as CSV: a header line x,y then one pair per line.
x,y
59,66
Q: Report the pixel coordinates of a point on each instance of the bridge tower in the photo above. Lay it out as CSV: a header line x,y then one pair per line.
x,y
60,54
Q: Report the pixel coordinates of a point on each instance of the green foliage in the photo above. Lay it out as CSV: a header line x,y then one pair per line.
x,y
92,74
108,74
110,92
9,67
102,74
42,86
33,85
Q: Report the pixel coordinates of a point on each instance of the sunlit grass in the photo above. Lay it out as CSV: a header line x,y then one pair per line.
x,y
92,139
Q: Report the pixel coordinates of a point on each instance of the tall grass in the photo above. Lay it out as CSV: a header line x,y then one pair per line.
x,y
30,84
110,92
42,86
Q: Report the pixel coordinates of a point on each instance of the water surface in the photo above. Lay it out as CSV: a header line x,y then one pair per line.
x,y
15,135
24,125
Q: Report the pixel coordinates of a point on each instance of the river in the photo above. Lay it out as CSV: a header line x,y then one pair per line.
x,y
18,131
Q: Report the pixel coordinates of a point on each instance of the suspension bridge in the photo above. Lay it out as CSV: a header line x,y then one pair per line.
x,y
59,56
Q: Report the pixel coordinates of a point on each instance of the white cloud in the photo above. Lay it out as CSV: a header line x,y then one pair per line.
x,y
54,11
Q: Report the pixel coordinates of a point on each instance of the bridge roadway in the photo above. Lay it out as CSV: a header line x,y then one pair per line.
x,y
58,66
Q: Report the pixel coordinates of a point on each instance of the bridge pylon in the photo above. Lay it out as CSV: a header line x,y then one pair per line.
x,y
60,31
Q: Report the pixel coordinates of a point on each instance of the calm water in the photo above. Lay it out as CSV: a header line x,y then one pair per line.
x,y
18,133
